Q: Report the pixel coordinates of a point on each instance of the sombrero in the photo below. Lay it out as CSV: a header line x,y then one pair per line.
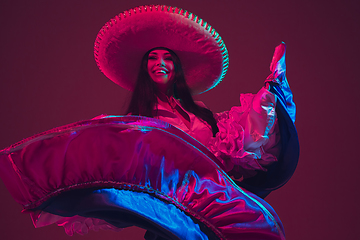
x,y
122,42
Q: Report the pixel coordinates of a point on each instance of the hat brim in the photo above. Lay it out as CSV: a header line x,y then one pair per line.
x,y
122,42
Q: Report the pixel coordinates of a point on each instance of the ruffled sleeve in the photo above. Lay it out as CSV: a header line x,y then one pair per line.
x,y
248,138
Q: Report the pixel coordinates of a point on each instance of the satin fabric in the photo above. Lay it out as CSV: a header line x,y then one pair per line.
x,y
248,137
280,172
119,208
142,155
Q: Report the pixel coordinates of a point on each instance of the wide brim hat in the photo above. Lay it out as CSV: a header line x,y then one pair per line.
x,y
122,42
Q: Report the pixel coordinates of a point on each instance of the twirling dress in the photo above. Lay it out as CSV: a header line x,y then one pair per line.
x,y
118,171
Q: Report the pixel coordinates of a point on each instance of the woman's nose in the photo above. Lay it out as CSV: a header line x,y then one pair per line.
x,y
160,62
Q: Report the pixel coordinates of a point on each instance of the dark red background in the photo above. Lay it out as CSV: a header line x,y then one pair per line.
x,y
49,78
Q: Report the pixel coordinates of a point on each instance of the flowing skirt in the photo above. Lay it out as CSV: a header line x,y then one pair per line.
x,y
125,171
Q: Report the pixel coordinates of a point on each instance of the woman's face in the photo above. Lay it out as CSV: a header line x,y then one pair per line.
x,y
161,68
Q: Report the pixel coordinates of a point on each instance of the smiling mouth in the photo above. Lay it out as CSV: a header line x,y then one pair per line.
x,y
160,71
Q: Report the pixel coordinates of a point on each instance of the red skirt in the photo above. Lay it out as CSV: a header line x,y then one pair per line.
x,y
150,173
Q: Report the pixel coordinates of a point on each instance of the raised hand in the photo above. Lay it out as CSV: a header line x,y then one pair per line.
x,y
278,65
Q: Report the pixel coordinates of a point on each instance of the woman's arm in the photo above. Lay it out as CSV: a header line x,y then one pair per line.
x,y
257,142
247,138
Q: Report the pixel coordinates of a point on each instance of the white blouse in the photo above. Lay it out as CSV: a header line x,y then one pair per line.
x,y
248,138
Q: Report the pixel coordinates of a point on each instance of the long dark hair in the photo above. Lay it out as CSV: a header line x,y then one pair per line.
x,y
145,93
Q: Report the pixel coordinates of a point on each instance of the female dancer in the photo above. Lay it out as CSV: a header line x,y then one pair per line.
x,y
170,168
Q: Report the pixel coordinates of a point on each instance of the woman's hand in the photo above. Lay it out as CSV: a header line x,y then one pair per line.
x,y
277,66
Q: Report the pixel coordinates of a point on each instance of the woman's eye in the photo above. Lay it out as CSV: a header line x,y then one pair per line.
x,y
152,57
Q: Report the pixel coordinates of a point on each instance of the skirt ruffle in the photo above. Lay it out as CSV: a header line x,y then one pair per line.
x,y
138,166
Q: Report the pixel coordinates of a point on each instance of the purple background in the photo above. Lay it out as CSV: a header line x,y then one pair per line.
x,y
49,78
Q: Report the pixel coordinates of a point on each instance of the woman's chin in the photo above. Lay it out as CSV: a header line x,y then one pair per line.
x,y
161,79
